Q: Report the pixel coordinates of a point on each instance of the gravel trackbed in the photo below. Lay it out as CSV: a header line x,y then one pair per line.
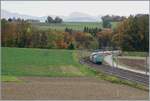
x,y
69,88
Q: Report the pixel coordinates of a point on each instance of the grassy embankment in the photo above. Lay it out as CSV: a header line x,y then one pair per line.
x,y
135,54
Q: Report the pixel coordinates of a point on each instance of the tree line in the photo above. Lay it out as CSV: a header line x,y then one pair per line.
x,y
131,34
107,19
21,33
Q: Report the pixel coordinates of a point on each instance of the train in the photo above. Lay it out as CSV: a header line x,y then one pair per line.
x,y
97,58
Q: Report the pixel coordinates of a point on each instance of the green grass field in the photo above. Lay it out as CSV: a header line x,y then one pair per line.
x,y
41,62
78,26
114,24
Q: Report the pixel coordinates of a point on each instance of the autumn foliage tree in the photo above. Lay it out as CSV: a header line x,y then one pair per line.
x,y
85,40
104,38
15,33
132,34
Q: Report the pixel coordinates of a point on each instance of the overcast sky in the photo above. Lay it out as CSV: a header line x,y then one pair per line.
x,y
95,8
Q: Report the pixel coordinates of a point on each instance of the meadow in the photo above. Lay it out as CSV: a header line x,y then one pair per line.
x,y
41,62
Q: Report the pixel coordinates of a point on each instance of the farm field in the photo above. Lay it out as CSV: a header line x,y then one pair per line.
x,y
64,88
41,62
77,26
114,24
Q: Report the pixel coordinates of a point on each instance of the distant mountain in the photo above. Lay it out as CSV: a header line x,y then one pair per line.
x,y
7,14
81,17
73,17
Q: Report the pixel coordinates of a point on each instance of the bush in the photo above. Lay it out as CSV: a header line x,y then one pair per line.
x,y
71,46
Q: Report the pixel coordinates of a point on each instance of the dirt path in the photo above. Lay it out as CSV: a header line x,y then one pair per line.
x,y
69,88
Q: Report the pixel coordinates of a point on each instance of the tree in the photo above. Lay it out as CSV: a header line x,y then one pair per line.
x,y
71,46
106,24
49,20
4,33
92,31
44,40
85,40
58,20
69,30
9,19
132,33
104,38
108,19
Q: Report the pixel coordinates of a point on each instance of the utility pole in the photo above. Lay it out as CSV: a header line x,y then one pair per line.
x,y
112,60
147,65
116,60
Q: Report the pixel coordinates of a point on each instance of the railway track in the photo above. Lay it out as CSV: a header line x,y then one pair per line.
x,y
123,74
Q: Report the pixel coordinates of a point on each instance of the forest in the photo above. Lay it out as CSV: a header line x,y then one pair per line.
x,y
130,34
